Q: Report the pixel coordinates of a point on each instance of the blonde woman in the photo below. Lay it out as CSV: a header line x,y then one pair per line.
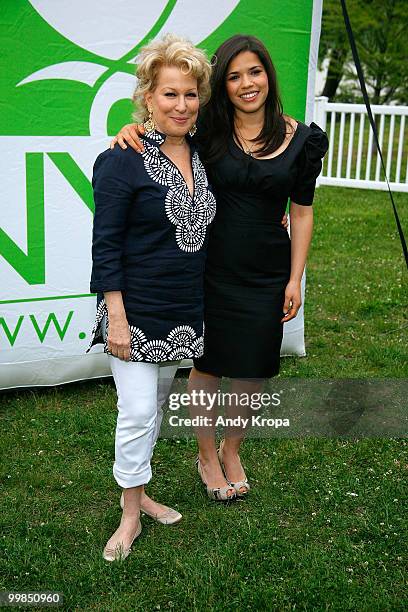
x,y
149,240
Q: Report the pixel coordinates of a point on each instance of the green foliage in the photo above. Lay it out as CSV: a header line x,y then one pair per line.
x,y
379,28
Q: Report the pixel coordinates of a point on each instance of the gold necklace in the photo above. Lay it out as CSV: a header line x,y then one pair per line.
x,y
248,150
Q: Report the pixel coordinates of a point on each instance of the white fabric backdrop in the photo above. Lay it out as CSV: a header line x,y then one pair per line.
x,y
44,328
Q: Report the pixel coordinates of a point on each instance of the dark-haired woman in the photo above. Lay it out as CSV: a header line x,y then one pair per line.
x,y
256,158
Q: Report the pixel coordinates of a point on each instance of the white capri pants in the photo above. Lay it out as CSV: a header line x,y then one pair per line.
x,y
142,390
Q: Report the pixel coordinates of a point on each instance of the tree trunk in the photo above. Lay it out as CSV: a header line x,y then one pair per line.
x,y
334,72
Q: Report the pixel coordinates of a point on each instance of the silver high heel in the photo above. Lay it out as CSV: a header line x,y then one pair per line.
x,y
217,493
169,517
119,553
241,484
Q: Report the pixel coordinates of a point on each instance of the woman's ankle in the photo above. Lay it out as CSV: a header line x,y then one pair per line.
x,y
130,517
231,446
208,457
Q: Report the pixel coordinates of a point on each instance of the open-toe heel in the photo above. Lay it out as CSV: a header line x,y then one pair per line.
x,y
216,493
241,484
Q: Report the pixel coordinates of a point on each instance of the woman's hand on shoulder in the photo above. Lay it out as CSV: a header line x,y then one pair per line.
x,y
293,301
119,338
291,120
130,134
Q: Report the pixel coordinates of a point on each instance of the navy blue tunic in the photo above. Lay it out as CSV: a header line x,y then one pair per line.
x,y
149,242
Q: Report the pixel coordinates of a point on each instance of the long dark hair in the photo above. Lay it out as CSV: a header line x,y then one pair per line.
x,y
217,116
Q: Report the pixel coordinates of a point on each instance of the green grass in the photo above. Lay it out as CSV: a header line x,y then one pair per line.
x,y
301,541
356,291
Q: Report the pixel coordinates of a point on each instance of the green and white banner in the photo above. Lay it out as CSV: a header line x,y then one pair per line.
x,y
66,76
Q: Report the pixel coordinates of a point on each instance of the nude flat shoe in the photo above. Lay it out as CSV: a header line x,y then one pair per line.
x,y
218,493
169,516
119,553
241,484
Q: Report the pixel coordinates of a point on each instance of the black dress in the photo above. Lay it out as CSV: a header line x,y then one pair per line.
x,y
248,258
149,241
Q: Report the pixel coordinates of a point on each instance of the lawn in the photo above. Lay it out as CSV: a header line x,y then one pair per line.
x,y
324,527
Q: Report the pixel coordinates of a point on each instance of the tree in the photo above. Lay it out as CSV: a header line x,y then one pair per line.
x,y
379,28
333,46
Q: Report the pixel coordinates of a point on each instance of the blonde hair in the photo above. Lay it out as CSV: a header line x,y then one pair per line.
x,y
170,50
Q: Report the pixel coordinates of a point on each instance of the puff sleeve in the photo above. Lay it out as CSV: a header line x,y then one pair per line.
x,y
310,165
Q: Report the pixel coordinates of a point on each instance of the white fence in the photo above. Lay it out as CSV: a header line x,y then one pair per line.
x,y
352,159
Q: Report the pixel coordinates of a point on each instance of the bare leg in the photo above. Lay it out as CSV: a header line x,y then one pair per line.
x,y
234,435
129,523
210,466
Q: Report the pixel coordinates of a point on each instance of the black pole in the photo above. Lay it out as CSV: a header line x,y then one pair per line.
x,y
372,122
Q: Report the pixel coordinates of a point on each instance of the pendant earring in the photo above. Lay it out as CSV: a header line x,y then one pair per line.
x,y
149,125
192,130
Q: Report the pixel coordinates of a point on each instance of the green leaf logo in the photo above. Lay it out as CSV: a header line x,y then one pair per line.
x,y
114,32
